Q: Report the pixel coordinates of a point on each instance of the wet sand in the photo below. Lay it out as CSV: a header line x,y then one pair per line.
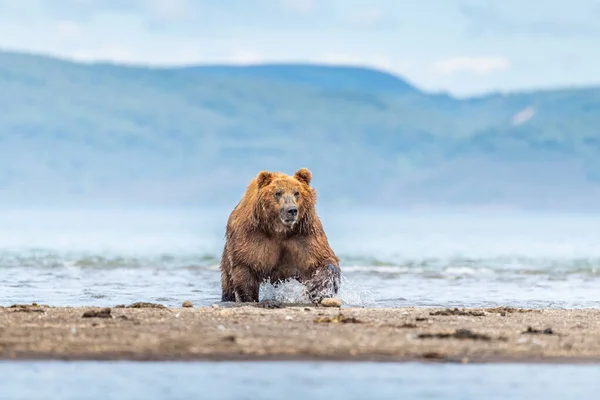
x,y
299,332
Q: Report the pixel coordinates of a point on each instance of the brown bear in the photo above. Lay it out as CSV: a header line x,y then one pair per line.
x,y
274,234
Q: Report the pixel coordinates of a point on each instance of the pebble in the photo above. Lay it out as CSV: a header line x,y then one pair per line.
x,y
187,304
331,302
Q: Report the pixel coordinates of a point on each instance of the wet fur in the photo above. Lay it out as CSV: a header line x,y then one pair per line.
x,y
259,247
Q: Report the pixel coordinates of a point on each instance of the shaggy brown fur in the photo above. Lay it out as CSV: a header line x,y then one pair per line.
x,y
274,234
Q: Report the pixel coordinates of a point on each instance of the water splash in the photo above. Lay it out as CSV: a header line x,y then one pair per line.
x,y
292,291
288,291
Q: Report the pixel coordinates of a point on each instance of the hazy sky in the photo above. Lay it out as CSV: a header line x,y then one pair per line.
x,y
462,46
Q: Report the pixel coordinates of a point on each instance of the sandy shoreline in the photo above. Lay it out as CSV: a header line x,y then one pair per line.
x,y
300,332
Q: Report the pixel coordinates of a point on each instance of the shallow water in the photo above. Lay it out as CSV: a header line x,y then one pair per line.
x,y
293,380
110,258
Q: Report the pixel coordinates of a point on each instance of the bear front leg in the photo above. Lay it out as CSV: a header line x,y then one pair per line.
x,y
226,282
245,285
324,282
227,293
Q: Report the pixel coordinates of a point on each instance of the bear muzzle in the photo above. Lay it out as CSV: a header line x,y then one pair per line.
x,y
289,215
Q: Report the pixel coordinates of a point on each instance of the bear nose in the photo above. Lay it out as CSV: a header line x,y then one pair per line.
x,y
292,211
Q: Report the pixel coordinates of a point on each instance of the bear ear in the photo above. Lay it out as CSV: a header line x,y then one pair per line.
x,y
264,178
303,175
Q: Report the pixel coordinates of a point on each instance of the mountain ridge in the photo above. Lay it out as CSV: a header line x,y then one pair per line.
x,y
104,133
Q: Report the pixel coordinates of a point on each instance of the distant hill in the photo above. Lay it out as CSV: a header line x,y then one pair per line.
x,y
335,78
103,134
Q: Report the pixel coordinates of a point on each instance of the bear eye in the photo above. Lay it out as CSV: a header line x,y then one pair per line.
x,y
296,194
277,194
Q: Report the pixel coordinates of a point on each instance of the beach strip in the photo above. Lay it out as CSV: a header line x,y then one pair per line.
x,y
274,331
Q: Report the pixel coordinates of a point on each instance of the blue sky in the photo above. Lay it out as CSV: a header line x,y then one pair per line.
x,y
465,47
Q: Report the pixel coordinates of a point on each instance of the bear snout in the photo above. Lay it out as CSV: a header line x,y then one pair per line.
x,y
289,214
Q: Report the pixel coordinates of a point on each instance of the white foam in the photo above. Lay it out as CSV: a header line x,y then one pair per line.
x,y
292,291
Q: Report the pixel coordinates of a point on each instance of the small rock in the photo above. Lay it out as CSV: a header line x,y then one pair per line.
x,y
458,334
33,307
143,304
408,325
229,338
547,331
104,313
456,311
340,318
331,302
215,306
434,355
187,304
270,304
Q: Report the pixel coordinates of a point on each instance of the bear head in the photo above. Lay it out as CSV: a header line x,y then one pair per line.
x,y
286,199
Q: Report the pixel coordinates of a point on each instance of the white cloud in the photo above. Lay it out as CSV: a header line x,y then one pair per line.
x,y
109,53
186,55
300,6
68,29
375,61
169,10
368,18
478,65
244,57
